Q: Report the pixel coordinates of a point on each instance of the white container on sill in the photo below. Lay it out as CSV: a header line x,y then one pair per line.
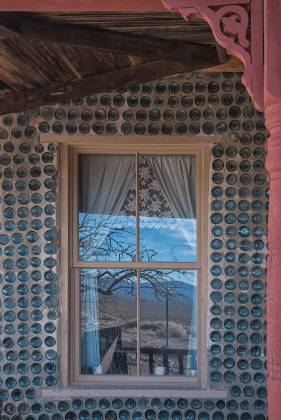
x,y
98,370
159,370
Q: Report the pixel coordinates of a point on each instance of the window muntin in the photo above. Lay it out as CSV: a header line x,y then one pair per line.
x,y
140,360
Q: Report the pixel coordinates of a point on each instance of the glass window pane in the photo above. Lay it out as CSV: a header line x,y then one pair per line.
x,y
168,324
106,206
108,322
167,208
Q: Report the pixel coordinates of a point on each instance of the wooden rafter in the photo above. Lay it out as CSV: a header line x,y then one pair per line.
x,y
33,98
167,57
84,36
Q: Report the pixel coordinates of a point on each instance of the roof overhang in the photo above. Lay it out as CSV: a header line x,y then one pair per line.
x,y
82,5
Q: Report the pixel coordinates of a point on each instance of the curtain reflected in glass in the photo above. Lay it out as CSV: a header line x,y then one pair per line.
x,y
168,300
108,322
107,223
168,208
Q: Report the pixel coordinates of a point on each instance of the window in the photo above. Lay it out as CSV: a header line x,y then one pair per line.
x,y
137,261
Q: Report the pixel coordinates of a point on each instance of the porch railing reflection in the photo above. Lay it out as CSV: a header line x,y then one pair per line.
x,y
157,357
117,357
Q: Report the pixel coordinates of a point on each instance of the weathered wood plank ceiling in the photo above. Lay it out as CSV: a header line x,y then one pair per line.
x,y
160,25
40,51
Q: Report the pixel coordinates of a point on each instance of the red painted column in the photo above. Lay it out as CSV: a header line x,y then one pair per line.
x,y
273,121
272,96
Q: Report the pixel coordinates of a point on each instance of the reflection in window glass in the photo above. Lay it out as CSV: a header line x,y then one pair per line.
x,y
168,208
136,319
108,322
168,322
107,196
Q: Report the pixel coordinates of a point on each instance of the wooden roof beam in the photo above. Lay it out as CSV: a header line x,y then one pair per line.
x,y
93,5
82,5
34,98
85,36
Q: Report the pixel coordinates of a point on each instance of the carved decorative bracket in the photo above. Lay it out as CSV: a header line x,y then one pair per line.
x,y
230,22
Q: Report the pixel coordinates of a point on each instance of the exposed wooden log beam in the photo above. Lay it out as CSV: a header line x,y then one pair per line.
x,y
82,5
93,5
105,40
91,85
232,65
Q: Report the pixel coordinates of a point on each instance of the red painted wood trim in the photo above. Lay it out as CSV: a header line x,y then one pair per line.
x,y
272,95
229,21
177,4
273,164
257,53
82,5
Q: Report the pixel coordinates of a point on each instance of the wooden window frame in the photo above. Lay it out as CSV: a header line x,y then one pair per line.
x,y
70,376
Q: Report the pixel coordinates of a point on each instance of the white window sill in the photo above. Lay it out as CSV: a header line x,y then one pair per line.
x,y
75,392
